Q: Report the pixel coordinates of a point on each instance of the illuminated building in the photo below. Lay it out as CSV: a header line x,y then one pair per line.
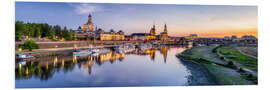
x,y
112,35
139,36
145,36
87,30
164,34
152,35
89,26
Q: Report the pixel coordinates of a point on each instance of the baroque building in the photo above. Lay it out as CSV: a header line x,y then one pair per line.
x,y
152,35
89,26
112,35
87,31
164,34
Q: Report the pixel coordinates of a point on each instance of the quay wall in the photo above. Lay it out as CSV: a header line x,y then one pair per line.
x,y
68,44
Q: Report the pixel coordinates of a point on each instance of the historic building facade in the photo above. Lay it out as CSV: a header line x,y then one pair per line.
x,y
87,31
152,35
89,26
164,34
112,35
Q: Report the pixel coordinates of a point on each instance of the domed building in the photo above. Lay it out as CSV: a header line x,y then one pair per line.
x,y
152,35
89,26
87,31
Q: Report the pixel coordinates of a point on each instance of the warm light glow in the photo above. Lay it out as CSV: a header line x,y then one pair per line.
x,y
55,61
220,33
26,71
20,49
63,63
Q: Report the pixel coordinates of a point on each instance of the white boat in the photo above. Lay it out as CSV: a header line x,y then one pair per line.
x,y
102,51
144,46
93,51
24,56
96,52
125,48
79,52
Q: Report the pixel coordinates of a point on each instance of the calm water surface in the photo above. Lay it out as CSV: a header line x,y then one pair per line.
x,y
152,67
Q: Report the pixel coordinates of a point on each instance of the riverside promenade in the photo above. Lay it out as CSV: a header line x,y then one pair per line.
x,y
58,45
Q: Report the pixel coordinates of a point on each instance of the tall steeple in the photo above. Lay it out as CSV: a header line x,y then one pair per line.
x,y
153,30
165,29
89,15
89,19
89,26
154,25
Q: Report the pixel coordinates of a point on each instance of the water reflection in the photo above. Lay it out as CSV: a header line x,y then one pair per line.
x,y
44,68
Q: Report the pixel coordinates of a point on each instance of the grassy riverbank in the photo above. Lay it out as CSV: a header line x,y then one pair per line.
x,y
223,73
232,54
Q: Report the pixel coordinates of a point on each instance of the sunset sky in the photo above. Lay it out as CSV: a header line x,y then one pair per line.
x,y
181,20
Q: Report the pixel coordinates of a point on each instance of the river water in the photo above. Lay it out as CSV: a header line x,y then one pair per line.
x,y
152,67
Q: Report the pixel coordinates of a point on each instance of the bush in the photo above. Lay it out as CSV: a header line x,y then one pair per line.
x,y
222,58
230,63
241,70
30,45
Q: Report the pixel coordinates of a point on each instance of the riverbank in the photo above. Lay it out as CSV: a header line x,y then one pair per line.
x,y
220,71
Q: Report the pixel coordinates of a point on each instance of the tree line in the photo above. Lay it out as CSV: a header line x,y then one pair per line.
x,y
41,30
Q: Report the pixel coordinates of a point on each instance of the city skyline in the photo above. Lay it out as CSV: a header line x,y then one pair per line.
x,y
182,20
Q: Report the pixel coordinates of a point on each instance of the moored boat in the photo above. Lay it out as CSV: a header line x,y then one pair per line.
x,y
78,52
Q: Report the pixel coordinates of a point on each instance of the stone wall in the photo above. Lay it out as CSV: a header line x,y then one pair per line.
x,y
47,45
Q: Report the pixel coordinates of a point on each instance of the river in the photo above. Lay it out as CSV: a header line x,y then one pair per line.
x,y
152,67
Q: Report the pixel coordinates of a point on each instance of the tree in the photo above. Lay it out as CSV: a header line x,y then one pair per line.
x,y
37,32
30,45
67,35
51,33
45,29
57,29
19,29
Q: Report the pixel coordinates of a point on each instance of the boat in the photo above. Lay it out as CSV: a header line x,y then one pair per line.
x,y
96,52
78,52
144,46
124,48
93,51
25,57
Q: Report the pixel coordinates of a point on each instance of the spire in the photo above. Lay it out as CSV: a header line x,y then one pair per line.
x,y
165,28
79,28
89,19
89,15
154,25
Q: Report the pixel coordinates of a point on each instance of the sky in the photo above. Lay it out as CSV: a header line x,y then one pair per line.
x,y
181,20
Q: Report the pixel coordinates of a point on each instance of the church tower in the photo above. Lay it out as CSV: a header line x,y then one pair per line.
x,y
153,30
164,34
165,29
89,19
89,26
